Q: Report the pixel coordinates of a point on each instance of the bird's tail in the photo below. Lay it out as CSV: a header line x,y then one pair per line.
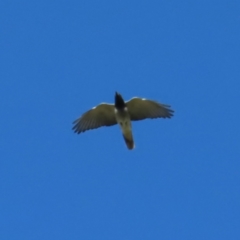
x,y
129,140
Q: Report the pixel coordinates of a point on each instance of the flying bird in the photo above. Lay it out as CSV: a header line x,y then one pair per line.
x,y
121,113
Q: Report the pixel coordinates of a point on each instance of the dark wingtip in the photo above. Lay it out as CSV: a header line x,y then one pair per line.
x,y
170,112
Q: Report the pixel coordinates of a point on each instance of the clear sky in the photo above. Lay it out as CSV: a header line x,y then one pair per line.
x,y
58,59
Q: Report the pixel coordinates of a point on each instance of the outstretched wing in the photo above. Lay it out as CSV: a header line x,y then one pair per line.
x,y
101,115
140,108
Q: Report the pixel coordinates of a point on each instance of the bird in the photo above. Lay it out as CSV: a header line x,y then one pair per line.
x,y
122,113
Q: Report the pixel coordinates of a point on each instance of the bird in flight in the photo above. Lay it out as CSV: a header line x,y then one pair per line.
x,y
121,113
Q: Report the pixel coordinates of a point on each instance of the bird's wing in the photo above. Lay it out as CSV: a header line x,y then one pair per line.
x,y
101,115
140,108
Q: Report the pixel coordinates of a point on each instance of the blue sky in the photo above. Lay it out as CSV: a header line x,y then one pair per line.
x,y
60,58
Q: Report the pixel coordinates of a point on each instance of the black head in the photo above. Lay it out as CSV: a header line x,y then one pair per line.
x,y
119,102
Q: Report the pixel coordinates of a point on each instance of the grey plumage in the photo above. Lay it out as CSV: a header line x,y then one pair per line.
x,y
104,114
141,108
101,115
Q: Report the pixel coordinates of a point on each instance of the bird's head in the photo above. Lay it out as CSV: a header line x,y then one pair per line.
x,y
119,102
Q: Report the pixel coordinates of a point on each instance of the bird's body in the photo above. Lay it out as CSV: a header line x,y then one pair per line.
x,y
124,121
122,113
